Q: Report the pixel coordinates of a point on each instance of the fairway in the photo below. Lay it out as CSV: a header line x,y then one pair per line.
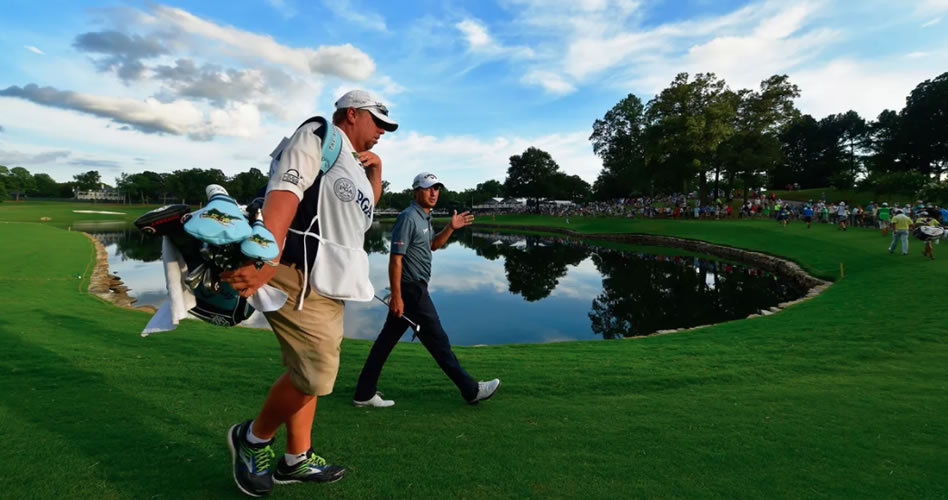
x,y
844,395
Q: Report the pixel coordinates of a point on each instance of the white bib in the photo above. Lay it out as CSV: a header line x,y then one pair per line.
x,y
344,210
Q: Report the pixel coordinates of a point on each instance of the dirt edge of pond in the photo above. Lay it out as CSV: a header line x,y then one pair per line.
x,y
108,286
789,269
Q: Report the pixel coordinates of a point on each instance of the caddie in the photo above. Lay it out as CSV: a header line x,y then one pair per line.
x,y
323,186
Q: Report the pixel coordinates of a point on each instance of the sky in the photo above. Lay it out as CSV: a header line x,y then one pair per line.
x,y
128,86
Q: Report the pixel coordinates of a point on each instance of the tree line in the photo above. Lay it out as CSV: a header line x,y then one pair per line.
x,y
179,186
699,135
696,135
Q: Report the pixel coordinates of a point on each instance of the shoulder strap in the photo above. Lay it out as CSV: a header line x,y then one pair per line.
x,y
331,138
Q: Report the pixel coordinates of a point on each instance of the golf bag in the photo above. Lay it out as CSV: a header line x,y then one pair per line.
x,y
215,238
926,233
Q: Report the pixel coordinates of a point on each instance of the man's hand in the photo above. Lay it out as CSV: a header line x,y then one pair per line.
x,y
373,171
370,159
396,306
459,220
246,279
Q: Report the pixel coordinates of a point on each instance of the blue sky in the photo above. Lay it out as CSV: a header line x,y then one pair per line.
x,y
132,86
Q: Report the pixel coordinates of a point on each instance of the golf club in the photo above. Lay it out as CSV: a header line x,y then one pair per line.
x,y
414,326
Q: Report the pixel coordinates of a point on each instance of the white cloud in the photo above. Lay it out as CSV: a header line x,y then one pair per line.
x,y
864,86
587,40
34,50
475,33
103,140
14,158
554,83
930,6
479,41
931,22
464,161
357,15
179,117
345,61
917,55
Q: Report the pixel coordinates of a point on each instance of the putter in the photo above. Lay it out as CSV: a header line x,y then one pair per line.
x,y
414,326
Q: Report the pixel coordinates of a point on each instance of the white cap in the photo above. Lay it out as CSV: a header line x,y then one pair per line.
x,y
426,180
362,99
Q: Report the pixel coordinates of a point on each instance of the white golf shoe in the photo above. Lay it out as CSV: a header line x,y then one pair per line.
x,y
375,401
485,390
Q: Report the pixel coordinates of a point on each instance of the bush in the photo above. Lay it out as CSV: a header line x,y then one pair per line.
x,y
907,183
936,192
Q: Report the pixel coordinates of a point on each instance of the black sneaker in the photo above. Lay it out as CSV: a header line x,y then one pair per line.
x,y
314,468
251,462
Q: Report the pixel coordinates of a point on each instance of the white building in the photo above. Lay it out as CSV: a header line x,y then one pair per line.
x,y
100,195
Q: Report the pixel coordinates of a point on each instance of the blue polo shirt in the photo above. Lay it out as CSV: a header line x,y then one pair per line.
x,y
411,238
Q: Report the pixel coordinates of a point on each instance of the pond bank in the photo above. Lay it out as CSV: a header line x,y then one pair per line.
x,y
108,286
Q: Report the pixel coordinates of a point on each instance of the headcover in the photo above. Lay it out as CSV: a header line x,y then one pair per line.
x,y
221,221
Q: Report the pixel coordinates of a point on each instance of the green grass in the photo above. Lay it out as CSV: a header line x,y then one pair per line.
x,y
62,215
840,396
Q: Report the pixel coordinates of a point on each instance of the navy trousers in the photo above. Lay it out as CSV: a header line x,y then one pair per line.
x,y
420,309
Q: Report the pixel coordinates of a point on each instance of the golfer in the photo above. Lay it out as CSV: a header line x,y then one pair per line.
x,y
409,269
309,326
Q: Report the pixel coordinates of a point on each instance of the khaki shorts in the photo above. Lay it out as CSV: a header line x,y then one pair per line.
x,y
310,339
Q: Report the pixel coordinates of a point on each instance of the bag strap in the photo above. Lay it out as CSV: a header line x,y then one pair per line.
x,y
331,138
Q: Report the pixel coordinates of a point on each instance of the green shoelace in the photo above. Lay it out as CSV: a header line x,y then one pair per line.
x,y
313,460
261,458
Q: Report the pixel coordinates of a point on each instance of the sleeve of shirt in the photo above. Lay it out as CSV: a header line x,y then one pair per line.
x,y
298,165
402,233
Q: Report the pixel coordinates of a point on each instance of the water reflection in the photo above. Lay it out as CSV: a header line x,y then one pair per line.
x,y
494,288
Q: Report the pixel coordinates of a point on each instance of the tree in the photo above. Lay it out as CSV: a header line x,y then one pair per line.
x,y
886,144
803,146
617,139
191,184
686,123
142,186
245,186
841,135
45,186
490,189
397,201
4,171
853,137
925,121
530,174
754,148
19,180
569,187
88,181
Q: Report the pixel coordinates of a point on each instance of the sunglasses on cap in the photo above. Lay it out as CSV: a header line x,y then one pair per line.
x,y
379,106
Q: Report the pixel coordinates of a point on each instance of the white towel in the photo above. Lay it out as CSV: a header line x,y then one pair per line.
x,y
181,298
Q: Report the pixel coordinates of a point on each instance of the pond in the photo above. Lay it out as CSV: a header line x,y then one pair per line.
x,y
502,288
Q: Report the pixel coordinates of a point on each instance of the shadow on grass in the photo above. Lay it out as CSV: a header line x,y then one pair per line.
x,y
140,449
